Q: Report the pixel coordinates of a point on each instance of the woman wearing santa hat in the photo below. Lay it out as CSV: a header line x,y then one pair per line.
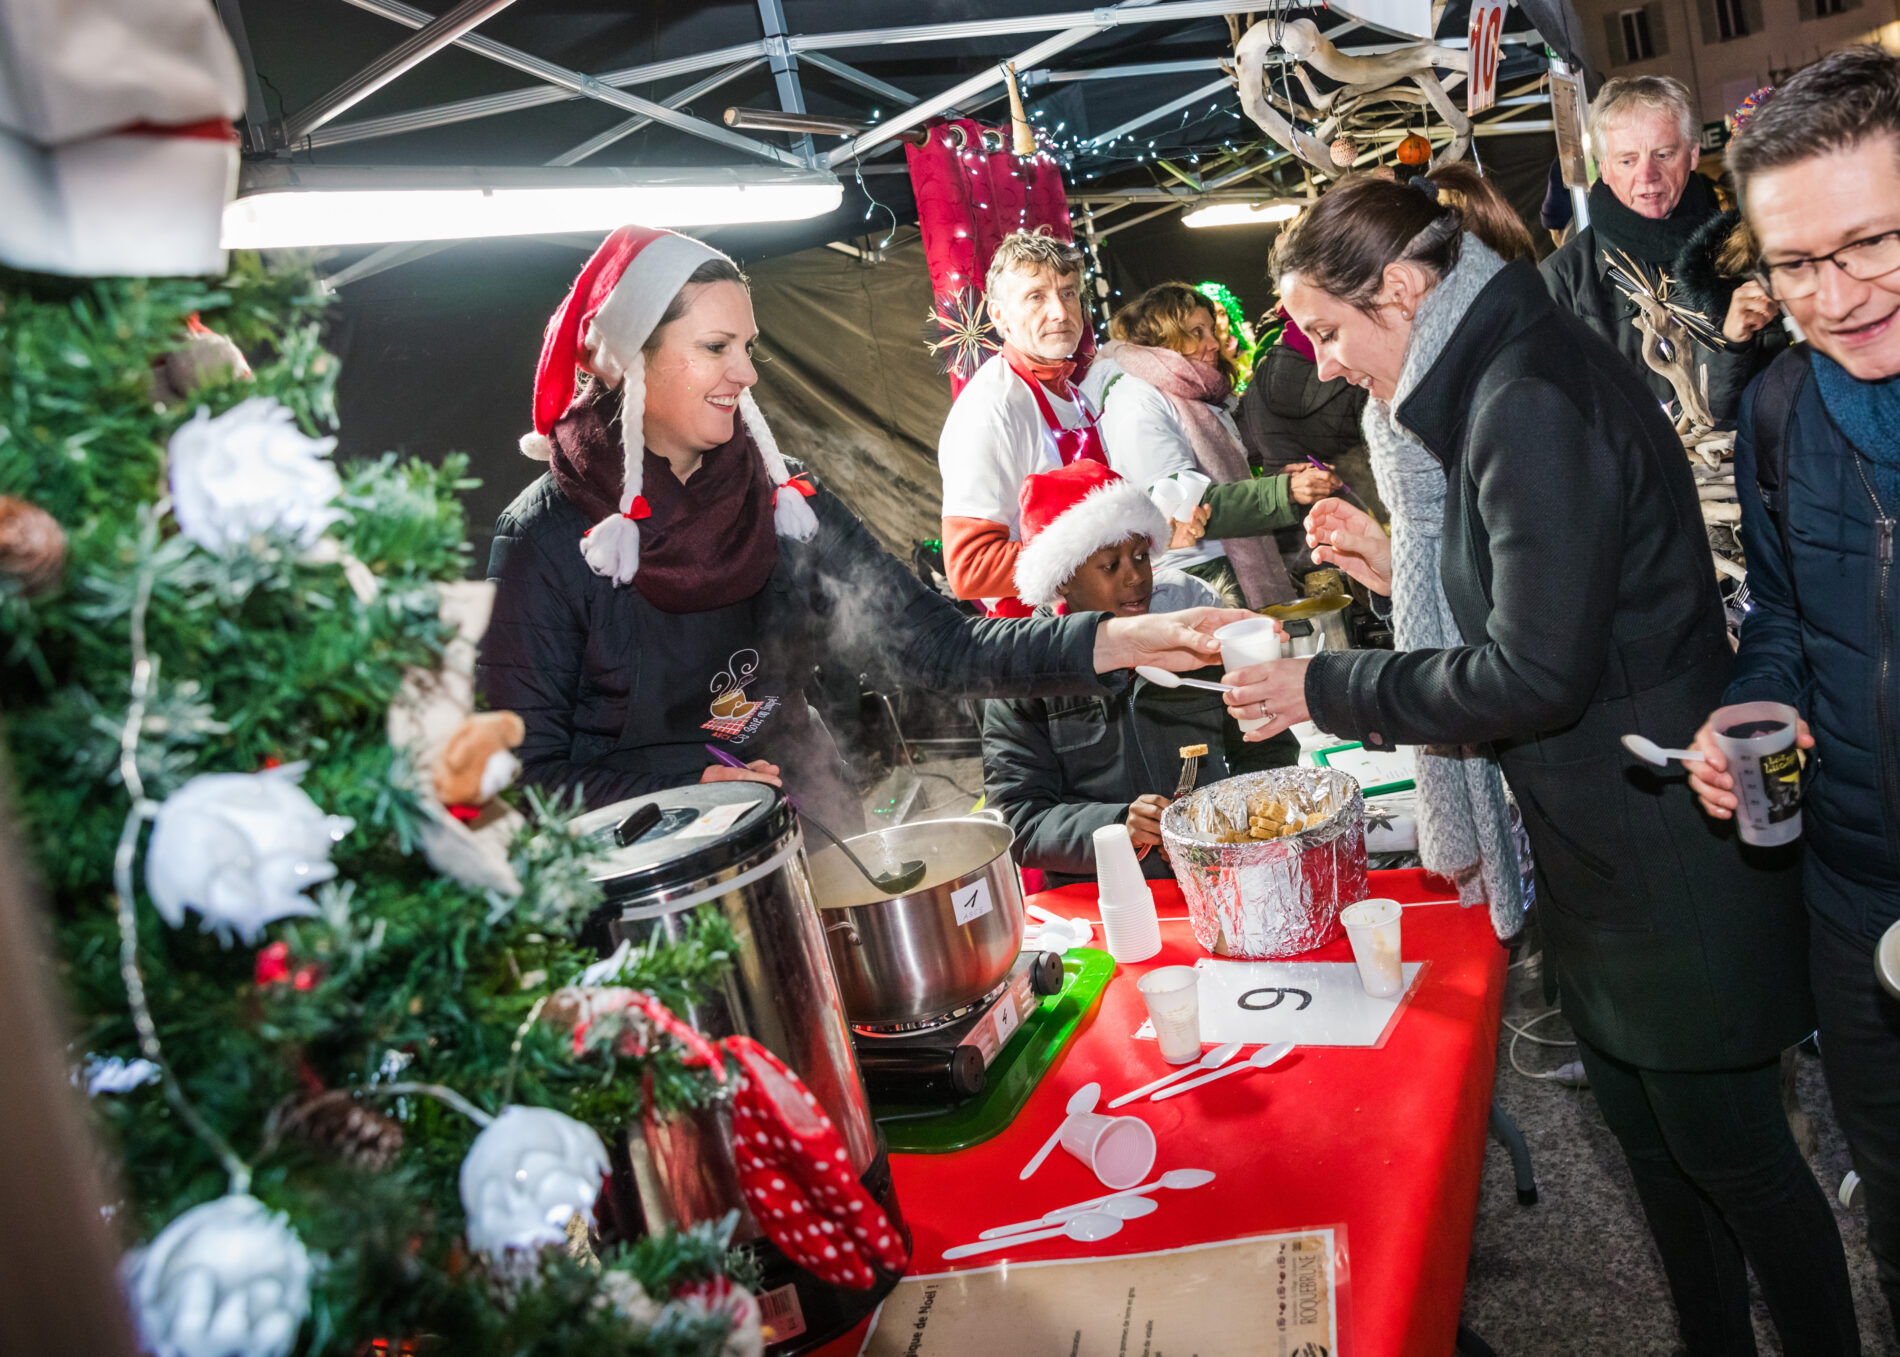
x,y
670,585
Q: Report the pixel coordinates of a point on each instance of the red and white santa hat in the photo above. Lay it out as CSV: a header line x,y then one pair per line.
x,y
606,320
1069,515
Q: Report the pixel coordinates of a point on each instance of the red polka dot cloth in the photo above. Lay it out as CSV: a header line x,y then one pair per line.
x,y
798,1179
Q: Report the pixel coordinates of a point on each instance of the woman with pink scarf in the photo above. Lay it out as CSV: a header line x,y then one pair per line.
x,y
1164,388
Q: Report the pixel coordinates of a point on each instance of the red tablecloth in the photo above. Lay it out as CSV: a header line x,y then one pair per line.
x,y
1387,1142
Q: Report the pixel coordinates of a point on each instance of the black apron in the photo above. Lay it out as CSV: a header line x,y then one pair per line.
x,y
734,678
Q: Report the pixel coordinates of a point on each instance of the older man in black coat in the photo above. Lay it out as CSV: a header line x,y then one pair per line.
x,y
1647,208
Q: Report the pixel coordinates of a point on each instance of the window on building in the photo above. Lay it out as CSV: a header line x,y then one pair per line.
x,y
1637,42
1730,22
1824,8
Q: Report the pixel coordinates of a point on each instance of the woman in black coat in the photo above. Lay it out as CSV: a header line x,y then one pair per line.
x,y
1574,562
670,585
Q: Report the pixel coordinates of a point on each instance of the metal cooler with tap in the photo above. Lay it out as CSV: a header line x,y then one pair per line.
x,y
734,848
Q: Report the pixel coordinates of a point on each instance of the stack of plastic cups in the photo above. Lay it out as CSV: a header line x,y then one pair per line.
x,y
1129,922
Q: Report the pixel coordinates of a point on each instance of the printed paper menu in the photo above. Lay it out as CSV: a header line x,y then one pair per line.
x,y
1271,1295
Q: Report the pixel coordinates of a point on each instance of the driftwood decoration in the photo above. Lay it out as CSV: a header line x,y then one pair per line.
x,y
1670,333
1362,80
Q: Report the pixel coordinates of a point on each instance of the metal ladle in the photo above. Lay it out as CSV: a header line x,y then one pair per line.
x,y
907,875
896,882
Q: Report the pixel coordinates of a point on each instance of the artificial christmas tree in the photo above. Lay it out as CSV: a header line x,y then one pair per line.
x,y
295,1028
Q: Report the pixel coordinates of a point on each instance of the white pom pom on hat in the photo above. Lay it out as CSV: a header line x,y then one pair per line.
x,y
608,316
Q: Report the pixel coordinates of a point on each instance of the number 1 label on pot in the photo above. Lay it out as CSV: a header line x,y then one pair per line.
x,y
972,902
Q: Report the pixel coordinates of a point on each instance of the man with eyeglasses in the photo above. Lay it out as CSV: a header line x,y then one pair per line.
x,y
1817,461
1651,213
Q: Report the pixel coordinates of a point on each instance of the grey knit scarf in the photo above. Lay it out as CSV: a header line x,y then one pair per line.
x,y
1464,821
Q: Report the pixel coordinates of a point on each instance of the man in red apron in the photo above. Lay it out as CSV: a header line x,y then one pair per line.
x,y
1019,415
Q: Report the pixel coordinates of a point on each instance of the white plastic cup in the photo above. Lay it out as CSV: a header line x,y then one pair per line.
x,y
1173,996
1243,644
1766,768
1193,485
1131,933
1372,926
1131,930
1118,1150
1118,877
1168,495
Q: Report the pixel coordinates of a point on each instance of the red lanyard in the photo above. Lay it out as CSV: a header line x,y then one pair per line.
x,y
1085,441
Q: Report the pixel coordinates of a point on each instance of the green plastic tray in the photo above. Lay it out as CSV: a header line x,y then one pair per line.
x,y
1018,1068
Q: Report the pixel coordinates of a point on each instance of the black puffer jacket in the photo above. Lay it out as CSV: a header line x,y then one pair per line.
x,y
1821,636
1061,768
1575,563
1287,412
582,661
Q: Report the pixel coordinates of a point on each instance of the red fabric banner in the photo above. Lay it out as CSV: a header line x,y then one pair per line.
x,y
972,191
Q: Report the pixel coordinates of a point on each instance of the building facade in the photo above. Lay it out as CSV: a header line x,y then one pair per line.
x,y
1724,50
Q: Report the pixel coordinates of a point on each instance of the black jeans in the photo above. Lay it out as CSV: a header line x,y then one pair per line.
x,y
1860,1049
1725,1189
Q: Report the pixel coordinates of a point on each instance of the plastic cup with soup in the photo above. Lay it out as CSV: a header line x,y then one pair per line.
x,y
1244,644
1758,740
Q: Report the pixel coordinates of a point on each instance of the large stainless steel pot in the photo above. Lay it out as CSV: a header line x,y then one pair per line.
x,y
918,956
733,848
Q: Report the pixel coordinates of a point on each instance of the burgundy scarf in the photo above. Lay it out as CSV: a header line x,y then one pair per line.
x,y
708,543
1195,390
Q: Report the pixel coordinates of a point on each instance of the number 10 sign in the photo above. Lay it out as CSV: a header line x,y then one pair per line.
x,y
1487,25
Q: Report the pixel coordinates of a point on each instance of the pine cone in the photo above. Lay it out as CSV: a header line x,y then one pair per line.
x,y
32,545
336,1122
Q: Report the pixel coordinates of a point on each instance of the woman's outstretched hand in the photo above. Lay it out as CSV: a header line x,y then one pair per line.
x,y
1347,537
756,771
1274,692
1173,641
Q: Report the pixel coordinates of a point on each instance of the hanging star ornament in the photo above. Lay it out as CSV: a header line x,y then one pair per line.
x,y
957,333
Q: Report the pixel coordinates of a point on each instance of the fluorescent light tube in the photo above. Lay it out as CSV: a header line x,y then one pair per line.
x,y
1241,214
285,206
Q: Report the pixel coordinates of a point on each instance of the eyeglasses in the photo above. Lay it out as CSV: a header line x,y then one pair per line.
x,y
1862,260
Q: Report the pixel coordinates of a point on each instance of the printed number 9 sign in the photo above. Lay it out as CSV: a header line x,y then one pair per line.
x,y
1487,25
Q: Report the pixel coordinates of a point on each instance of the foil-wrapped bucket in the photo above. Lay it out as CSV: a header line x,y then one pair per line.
x,y
1262,899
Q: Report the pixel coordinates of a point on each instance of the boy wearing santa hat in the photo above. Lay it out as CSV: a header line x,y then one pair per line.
x,y
1059,768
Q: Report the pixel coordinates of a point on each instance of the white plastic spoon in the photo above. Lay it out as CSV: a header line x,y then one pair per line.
x,y
1213,1060
1126,1206
1650,752
1080,1101
1083,1229
1259,1060
1178,1179
1167,680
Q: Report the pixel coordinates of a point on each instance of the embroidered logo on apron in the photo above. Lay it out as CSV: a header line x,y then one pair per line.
x,y
735,716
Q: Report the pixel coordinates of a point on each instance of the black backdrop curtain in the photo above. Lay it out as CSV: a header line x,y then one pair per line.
x,y
439,356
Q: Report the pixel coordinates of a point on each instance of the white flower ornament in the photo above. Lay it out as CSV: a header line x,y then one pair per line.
x,y
250,471
226,1279
526,1175
240,848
